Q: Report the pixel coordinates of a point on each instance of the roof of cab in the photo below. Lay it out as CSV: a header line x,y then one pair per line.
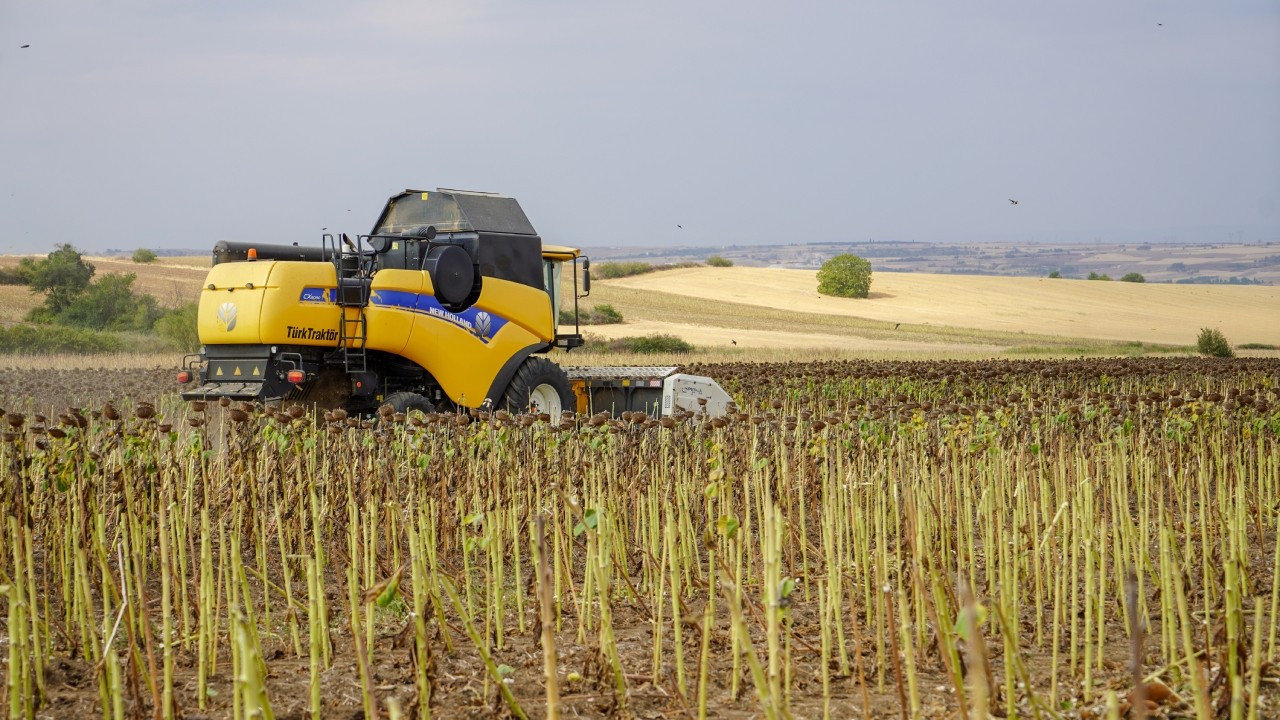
x,y
560,252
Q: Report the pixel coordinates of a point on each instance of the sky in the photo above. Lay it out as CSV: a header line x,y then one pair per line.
x,y
135,123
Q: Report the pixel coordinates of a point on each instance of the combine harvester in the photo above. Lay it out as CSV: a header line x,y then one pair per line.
x,y
449,303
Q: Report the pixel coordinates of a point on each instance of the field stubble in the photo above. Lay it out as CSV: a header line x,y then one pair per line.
x,y
814,553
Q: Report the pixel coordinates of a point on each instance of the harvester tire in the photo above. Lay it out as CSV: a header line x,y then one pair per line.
x,y
539,386
403,402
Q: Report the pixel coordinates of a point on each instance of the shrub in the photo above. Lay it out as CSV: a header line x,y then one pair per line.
x,y
656,344
1212,342
1096,276
719,261
845,275
14,276
598,315
609,270
644,344
178,326
56,339
605,315
1055,274
109,303
143,255
1133,277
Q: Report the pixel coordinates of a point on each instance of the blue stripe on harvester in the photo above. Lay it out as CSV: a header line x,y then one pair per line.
x,y
483,325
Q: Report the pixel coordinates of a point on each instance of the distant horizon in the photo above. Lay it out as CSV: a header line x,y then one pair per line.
x,y
179,250
191,251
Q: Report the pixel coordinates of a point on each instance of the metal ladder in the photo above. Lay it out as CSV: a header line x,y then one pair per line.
x,y
353,329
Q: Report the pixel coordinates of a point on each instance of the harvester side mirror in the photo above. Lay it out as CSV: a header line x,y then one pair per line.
x,y
586,276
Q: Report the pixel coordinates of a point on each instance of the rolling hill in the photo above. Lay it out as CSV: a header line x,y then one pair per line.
x,y
1109,311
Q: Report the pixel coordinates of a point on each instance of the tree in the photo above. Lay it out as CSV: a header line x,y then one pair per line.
x,y
845,275
62,276
1213,342
111,304
1096,276
1133,277
719,261
143,255
179,327
1055,274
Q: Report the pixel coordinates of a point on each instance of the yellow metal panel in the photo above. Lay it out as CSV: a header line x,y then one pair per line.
x,y
238,275
298,308
392,324
231,302
463,351
526,306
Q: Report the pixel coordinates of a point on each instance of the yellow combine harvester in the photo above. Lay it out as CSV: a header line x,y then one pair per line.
x,y
448,303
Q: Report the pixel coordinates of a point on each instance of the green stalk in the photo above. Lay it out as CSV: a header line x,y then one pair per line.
x,y
512,705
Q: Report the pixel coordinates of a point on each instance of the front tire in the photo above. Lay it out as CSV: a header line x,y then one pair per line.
x,y
406,402
539,386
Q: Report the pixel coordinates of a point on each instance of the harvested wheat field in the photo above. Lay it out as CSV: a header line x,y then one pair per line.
x,y
1146,312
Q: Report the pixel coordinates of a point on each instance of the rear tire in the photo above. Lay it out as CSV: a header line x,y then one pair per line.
x,y
405,402
539,386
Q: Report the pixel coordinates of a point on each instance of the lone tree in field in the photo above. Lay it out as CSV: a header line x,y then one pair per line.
x,y
62,276
845,275
1213,343
1133,277
143,255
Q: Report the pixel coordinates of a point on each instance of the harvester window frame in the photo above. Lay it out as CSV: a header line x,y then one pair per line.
x,y
553,275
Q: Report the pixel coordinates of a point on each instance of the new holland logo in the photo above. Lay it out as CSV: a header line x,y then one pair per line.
x,y
227,316
482,326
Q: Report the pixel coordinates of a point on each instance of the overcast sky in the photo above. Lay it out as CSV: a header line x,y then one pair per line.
x,y
177,124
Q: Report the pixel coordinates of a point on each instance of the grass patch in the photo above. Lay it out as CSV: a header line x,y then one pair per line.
x,y
598,315
1101,347
23,339
1258,346
640,345
32,339
612,270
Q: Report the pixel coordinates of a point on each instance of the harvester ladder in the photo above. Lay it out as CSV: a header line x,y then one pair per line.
x,y
354,327
353,298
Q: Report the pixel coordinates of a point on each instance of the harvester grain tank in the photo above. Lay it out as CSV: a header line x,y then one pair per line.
x,y
451,301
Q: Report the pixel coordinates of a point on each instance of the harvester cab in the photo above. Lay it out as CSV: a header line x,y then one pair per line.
x,y
449,302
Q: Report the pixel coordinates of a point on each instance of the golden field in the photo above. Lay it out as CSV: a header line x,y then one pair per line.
x,y
1151,313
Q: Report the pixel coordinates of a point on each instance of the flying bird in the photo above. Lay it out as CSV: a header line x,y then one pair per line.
x,y
1011,200
897,325
735,342
680,226
24,47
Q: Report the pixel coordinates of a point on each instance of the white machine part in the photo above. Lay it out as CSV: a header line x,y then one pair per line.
x,y
682,392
